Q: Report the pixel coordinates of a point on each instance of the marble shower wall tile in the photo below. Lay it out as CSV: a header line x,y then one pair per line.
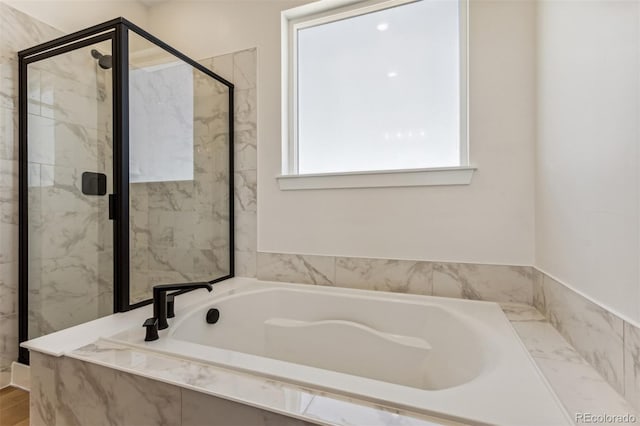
x,y
632,364
402,276
241,69
17,31
8,133
593,331
246,232
8,288
295,268
20,31
495,283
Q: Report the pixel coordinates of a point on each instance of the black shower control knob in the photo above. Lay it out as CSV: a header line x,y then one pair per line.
x,y
213,315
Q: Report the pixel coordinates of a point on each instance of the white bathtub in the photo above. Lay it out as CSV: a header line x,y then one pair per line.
x,y
454,359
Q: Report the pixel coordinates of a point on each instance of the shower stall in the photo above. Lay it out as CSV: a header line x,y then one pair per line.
x,y
126,175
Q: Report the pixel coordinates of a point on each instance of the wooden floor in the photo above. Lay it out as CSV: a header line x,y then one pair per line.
x,y
14,407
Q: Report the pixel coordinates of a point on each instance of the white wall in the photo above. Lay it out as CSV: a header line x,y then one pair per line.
x,y
490,221
588,184
70,16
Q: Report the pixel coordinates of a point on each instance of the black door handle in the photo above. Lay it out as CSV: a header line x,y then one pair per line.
x,y
112,206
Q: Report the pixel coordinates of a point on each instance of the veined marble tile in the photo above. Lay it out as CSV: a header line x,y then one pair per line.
x,y
171,196
170,259
9,191
8,134
582,390
632,364
77,147
246,187
521,312
245,244
19,31
244,69
592,330
9,83
335,411
109,397
69,294
8,242
245,110
494,283
5,372
43,395
245,263
107,352
402,276
578,385
66,234
9,337
65,195
304,269
543,341
8,288
41,148
223,66
235,385
172,228
199,409
245,149
538,291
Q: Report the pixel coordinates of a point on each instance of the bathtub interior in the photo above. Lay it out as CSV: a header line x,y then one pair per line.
x,y
420,345
449,358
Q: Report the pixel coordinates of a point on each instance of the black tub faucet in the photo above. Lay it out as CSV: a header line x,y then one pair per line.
x,y
159,319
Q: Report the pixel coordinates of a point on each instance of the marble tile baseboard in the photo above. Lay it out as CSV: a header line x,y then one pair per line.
x,y
495,283
610,344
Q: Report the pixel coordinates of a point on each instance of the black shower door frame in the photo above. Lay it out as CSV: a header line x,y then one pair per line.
x,y
116,30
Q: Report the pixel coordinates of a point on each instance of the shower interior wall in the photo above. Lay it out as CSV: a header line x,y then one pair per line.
x,y
17,31
70,234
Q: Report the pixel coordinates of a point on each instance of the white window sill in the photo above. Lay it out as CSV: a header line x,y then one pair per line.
x,y
379,179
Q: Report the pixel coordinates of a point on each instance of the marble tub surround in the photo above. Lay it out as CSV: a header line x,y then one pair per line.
x,y
304,269
400,276
495,283
603,339
498,283
463,365
111,374
17,31
70,392
579,386
246,388
632,364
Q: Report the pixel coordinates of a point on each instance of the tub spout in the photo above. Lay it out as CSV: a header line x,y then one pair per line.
x,y
160,298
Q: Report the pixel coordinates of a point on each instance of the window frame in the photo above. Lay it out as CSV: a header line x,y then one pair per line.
x,y
328,11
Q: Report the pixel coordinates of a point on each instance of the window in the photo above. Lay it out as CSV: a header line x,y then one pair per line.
x,y
375,87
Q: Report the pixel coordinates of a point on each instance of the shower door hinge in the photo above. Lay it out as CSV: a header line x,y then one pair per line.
x,y
112,206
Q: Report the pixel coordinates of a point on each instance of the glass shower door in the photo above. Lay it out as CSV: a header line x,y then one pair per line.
x,y
70,177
